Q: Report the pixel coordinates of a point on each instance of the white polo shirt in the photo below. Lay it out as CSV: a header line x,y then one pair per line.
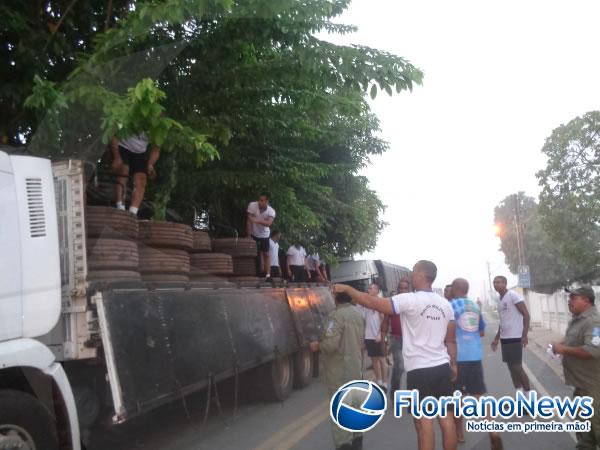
x,y
258,230
372,322
297,255
313,261
511,319
424,317
274,253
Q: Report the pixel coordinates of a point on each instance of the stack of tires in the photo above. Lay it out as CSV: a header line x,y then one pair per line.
x,y
243,253
112,250
205,266
164,250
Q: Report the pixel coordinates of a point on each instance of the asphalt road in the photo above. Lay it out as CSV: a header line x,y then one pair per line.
x,y
302,421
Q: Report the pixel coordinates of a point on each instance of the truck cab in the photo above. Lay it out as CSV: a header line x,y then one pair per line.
x,y
37,408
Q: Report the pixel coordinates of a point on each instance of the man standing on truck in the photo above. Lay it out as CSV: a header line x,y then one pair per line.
x,y
274,254
340,347
316,268
296,263
512,332
131,158
260,217
429,345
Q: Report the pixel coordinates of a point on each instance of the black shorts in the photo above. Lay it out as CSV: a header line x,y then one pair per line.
x,y
431,381
512,351
262,244
298,274
374,348
470,378
137,162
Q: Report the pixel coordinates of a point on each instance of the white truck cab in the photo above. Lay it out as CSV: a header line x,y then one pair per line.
x,y
37,409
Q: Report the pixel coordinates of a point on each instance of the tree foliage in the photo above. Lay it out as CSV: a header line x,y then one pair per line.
x,y
251,80
548,270
570,197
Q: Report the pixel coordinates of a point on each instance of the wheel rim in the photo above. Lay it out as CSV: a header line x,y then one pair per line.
x,y
283,369
13,437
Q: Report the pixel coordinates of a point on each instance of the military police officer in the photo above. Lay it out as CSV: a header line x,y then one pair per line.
x,y
581,357
340,348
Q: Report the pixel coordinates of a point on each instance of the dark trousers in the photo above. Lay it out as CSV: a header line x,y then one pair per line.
x,y
298,274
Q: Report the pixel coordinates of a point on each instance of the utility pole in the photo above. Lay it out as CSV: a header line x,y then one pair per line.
x,y
490,290
520,246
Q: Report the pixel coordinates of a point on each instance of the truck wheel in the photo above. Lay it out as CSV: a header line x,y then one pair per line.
x,y
303,369
279,379
25,423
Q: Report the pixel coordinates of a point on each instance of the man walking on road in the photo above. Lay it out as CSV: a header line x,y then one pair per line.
x,y
470,328
512,332
260,217
341,351
429,345
581,357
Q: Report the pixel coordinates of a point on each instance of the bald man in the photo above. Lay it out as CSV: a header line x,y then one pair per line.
x,y
470,328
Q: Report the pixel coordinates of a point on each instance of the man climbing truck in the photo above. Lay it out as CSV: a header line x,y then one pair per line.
x,y
127,345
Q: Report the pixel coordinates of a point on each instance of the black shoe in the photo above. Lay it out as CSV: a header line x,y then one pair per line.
x,y
357,443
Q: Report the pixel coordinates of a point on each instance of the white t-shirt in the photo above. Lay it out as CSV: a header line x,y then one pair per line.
x,y
511,319
135,144
313,261
274,252
297,255
258,230
424,317
372,322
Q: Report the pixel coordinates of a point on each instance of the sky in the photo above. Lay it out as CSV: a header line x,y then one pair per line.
x,y
499,77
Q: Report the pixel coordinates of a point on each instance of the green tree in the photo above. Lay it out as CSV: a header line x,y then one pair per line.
x,y
548,269
286,110
570,197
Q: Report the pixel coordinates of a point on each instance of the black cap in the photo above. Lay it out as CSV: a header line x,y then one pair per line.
x,y
584,291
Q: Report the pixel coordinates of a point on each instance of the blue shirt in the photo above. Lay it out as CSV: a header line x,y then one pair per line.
x,y
469,322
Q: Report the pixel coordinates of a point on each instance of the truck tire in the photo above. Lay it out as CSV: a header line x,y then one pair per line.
x,y
164,260
210,264
103,221
303,368
113,275
25,423
106,254
164,278
278,378
244,267
166,234
240,247
201,242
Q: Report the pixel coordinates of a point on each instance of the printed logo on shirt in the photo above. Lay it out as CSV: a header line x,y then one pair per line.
x,y
596,337
433,312
469,321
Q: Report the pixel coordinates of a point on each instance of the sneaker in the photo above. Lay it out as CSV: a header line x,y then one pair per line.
x,y
268,279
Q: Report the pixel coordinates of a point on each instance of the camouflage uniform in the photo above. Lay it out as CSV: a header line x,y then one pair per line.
x,y
341,352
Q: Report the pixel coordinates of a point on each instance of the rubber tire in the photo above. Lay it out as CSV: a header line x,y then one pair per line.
x,y
104,221
303,369
107,254
164,260
211,264
164,278
113,275
244,267
201,242
166,234
277,387
241,247
23,410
